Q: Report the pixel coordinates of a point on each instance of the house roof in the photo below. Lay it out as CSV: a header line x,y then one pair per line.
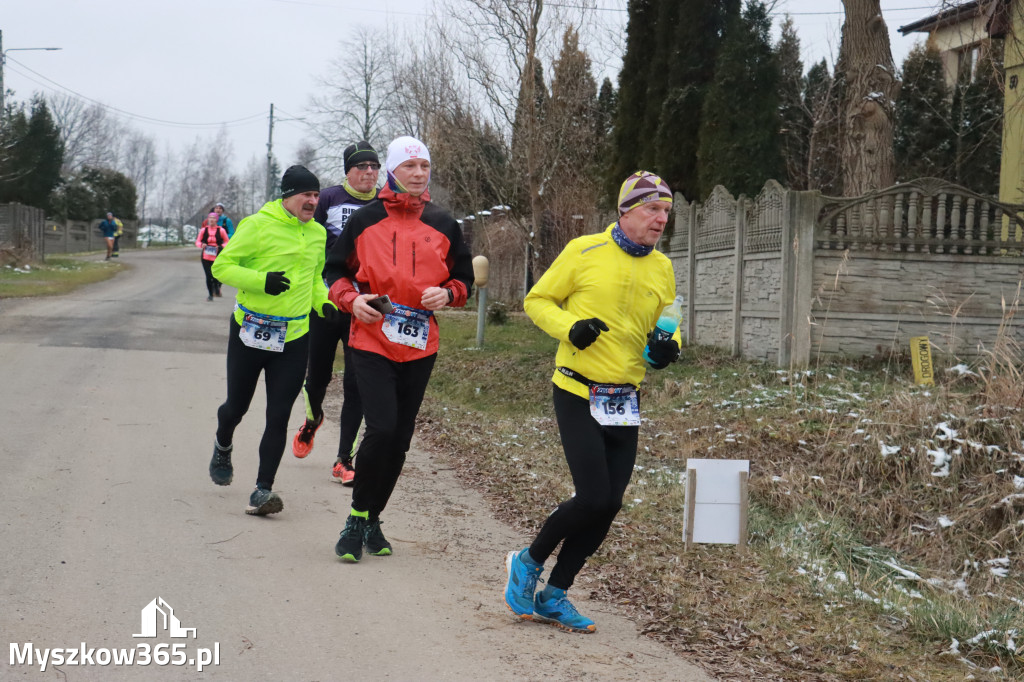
x,y
994,10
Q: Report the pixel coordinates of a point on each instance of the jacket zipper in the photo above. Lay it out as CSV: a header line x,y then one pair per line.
x,y
394,248
414,259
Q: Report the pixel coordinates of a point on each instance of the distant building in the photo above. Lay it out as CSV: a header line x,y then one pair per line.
x,y
962,34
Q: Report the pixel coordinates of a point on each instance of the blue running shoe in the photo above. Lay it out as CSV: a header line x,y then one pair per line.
x,y
559,611
522,583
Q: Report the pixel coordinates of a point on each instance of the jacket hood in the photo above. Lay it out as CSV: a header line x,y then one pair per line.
x,y
403,200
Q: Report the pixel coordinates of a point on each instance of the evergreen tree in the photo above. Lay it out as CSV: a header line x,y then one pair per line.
x,y
632,99
796,120
980,124
698,40
823,100
607,103
572,186
30,166
923,135
91,192
663,55
739,142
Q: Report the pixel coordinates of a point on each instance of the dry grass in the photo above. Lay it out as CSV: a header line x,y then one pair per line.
x,y
54,277
866,562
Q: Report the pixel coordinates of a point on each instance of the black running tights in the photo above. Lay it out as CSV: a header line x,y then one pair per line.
x,y
601,462
283,374
323,345
392,393
211,281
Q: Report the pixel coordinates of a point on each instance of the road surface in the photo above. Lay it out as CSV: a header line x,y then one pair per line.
x,y
111,527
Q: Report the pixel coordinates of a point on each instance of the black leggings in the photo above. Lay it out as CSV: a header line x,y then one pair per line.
x,y
323,345
392,393
211,282
283,376
601,462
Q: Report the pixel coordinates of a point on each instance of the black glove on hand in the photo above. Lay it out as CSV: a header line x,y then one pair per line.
x,y
661,351
330,314
277,283
585,332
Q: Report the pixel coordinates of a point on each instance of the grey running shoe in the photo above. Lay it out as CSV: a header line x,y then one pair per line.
x,y
263,502
350,544
375,541
221,471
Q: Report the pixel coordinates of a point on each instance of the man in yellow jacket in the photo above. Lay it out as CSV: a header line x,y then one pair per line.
x,y
601,299
275,261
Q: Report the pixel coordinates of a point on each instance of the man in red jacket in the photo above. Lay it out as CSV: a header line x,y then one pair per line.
x,y
402,246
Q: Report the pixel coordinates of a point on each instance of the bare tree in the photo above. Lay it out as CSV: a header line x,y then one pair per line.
x,y
500,47
356,98
91,135
870,88
139,163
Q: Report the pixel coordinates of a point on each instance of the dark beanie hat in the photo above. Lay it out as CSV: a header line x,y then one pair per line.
x,y
358,153
296,180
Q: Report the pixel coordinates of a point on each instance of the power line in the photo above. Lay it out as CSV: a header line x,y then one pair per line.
x,y
138,117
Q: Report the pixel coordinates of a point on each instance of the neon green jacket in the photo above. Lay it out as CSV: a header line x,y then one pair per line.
x,y
274,240
593,277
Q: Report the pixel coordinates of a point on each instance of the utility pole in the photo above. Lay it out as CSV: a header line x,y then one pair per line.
x,y
270,156
3,58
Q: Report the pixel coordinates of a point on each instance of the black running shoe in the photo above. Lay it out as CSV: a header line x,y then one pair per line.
x,y
350,544
263,502
373,538
221,471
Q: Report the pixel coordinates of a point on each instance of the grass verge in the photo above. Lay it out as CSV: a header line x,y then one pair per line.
x,y
55,276
886,519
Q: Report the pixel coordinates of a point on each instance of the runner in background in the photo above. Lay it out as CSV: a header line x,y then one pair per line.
x,y
116,250
276,265
336,204
601,299
108,227
407,248
223,220
211,239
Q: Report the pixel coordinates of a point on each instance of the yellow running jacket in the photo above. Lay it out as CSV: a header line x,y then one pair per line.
x,y
593,277
275,240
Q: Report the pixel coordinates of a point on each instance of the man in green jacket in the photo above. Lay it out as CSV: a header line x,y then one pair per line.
x,y
275,263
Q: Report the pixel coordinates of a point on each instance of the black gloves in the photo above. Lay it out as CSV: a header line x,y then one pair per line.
x,y
585,332
330,314
661,351
277,283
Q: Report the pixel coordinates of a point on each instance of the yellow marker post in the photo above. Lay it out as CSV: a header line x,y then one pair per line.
x,y
921,356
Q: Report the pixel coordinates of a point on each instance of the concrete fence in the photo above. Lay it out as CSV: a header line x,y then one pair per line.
x,y
788,276
26,228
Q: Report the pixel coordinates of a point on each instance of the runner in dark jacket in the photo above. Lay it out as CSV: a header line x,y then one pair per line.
x,y
336,204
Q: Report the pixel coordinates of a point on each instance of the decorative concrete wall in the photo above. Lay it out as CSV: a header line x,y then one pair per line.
x,y
790,276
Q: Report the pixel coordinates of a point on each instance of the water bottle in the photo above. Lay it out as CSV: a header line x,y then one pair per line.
x,y
668,323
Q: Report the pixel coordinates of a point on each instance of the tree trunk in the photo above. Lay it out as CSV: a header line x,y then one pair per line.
x,y
870,89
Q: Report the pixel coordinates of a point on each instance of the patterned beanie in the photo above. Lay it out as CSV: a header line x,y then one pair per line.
x,y
640,188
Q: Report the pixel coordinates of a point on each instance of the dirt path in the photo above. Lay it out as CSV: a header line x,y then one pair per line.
x,y
107,412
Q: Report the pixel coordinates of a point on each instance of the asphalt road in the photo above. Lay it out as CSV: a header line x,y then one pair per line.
x,y
107,413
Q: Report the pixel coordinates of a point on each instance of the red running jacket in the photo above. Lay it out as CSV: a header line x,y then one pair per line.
x,y
398,245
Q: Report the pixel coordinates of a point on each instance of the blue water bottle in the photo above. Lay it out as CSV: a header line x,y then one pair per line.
x,y
668,323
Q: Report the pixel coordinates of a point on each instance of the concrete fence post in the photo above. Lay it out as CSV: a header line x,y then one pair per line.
x,y
805,218
742,204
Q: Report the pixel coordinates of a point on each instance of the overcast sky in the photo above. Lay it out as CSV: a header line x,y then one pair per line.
x,y
179,70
